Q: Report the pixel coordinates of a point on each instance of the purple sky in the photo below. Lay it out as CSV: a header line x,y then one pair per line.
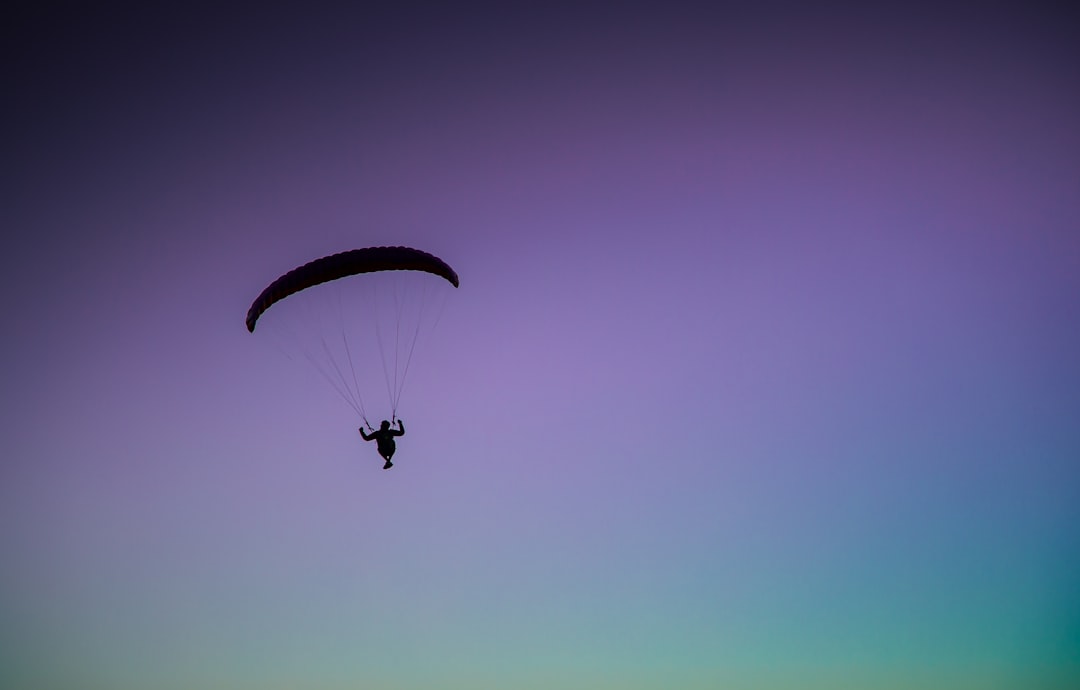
x,y
762,372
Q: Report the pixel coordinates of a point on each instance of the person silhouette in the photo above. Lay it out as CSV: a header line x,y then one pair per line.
x,y
384,438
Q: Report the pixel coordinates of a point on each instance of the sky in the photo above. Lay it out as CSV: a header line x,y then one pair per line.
x,y
762,372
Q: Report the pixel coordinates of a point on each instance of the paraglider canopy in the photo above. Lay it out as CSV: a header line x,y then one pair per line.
x,y
363,324
368,260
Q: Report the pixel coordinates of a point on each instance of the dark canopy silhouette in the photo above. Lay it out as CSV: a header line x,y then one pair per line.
x,y
348,263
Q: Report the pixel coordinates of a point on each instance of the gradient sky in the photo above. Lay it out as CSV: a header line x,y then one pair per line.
x,y
762,374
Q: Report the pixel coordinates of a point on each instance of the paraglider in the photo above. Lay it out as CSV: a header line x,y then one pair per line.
x,y
348,315
384,439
